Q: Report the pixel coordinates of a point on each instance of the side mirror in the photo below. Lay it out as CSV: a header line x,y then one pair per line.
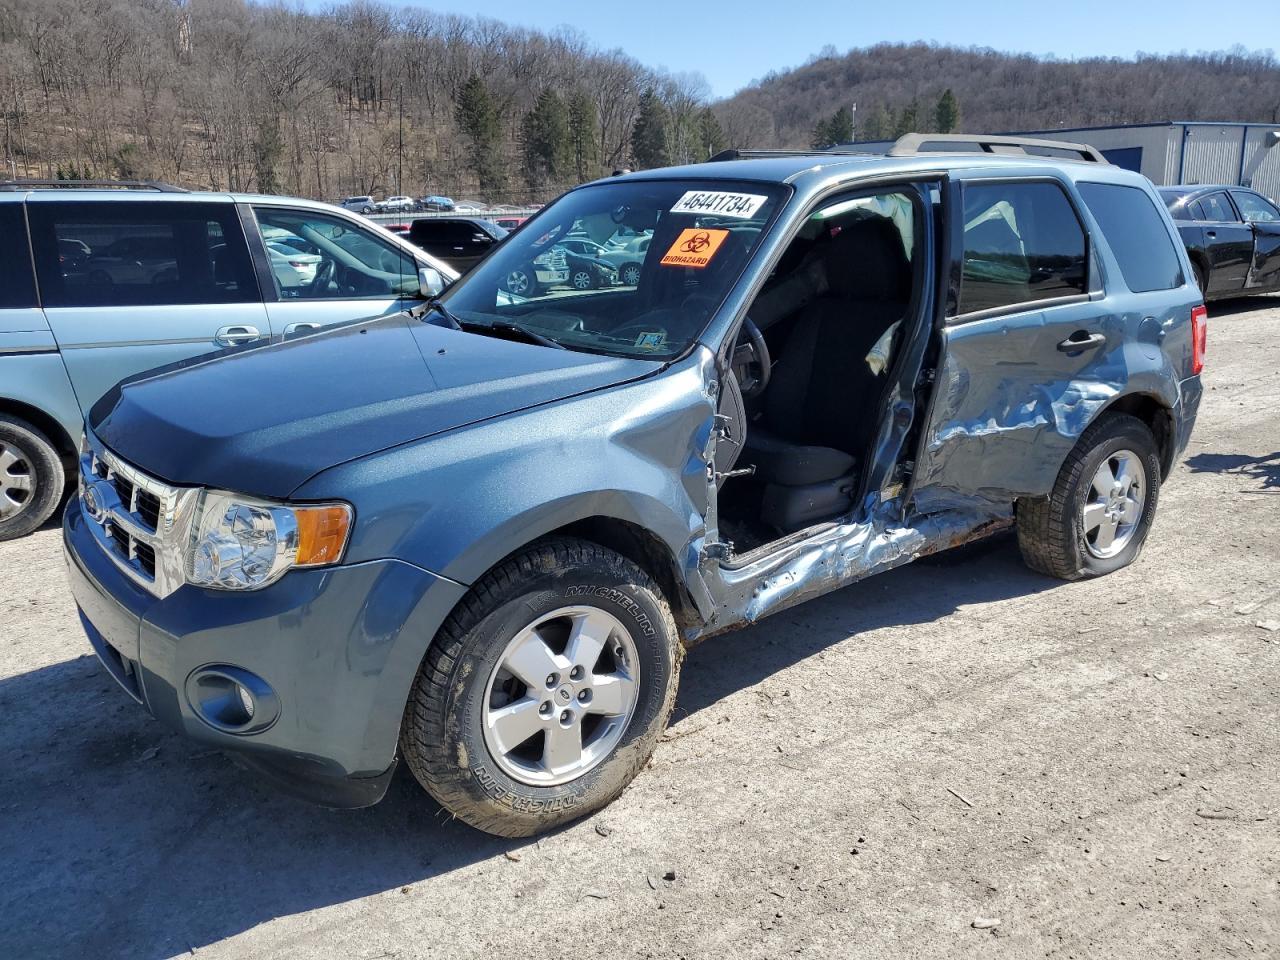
x,y
430,282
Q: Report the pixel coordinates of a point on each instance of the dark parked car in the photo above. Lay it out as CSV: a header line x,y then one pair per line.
x,y
435,204
477,535
587,267
460,242
1232,235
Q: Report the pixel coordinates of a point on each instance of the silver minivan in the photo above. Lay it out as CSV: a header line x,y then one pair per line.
x,y
101,284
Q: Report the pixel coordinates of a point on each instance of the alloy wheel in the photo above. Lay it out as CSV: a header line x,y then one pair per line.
x,y
582,280
631,276
561,696
518,282
17,481
1113,507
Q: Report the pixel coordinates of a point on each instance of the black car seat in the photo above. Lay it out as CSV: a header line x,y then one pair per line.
x,y
819,409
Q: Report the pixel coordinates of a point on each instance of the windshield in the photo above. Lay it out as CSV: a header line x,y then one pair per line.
x,y
627,267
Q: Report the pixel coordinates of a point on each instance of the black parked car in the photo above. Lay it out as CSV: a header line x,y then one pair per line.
x,y
1233,236
460,242
588,269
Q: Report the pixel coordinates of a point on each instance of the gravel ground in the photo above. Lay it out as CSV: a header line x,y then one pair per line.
x,y
1093,765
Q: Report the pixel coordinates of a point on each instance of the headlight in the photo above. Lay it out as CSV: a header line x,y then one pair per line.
x,y
239,543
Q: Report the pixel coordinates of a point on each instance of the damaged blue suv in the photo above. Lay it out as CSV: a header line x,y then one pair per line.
x,y
477,536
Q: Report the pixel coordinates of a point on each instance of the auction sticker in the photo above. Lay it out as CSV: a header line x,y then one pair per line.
x,y
694,248
740,205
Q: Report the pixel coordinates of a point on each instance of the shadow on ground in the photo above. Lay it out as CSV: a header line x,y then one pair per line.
x,y
125,840
1264,469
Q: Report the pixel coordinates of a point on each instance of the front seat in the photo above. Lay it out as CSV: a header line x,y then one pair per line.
x,y
820,407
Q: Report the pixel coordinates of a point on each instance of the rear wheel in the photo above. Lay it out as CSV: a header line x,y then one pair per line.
x,y
31,478
630,274
1102,505
546,690
1201,279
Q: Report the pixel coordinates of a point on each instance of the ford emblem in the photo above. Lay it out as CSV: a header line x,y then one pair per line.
x,y
91,505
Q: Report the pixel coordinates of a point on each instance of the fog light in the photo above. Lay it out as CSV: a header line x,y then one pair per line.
x,y
231,699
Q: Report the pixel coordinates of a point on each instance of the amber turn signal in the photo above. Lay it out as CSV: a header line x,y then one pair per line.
x,y
322,534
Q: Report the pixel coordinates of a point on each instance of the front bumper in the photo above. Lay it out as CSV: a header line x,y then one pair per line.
x,y
339,646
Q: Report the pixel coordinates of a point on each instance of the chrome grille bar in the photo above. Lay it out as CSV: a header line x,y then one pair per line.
x,y
140,522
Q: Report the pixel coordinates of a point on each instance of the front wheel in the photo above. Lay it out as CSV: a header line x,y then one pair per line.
x,y
583,280
522,282
1100,511
546,690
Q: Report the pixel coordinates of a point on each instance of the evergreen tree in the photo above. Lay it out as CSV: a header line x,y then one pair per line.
x,y
546,152
833,130
840,126
711,138
267,151
821,138
908,120
947,112
479,121
582,137
649,135
879,124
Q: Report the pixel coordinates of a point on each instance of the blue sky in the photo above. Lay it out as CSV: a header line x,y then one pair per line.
x,y
733,43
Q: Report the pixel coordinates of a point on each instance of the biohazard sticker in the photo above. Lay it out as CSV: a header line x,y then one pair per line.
x,y
694,248
740,205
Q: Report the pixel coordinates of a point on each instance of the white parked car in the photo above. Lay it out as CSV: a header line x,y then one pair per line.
x,y
364,204
397,205
292,267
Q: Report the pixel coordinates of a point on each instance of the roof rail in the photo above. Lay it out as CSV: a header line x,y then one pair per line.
x,y
911,144
92,185
734,154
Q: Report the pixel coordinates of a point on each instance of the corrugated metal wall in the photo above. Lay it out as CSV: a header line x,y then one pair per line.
x,y
1262,163
1212,154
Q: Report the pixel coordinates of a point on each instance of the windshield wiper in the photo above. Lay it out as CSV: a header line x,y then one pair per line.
x,y
509,326
435,305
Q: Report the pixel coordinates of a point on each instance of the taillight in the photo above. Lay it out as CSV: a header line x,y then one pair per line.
x,y
1199,337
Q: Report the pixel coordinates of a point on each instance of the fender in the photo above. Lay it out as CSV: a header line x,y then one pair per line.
x,y
458,504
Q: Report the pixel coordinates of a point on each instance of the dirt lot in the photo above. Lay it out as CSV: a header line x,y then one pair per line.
x,y
1094,765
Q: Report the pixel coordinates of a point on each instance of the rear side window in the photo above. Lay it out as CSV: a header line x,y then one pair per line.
x,y
140,254
1022,243
1217,207
17,285
1137,235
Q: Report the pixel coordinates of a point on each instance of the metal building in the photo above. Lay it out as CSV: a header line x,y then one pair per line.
x,y
1174,152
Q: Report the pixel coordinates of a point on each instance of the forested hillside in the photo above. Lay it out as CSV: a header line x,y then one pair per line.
x,y
900,87
366,98
369,98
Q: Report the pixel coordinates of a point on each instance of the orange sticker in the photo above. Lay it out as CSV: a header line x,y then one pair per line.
x,y
694,248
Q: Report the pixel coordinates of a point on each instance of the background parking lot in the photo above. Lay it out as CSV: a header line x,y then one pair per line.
x,y
1093,765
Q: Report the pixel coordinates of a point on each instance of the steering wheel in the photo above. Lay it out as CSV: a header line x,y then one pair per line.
x,y
750,360
320,283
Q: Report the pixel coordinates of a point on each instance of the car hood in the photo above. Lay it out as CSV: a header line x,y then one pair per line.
x,y
263,421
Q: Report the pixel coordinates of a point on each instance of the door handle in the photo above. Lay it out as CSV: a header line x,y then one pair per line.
x,y
1080,340
1211,234
236,333
302,326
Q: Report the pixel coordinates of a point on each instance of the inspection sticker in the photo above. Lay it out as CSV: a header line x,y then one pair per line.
x,y
740,205
694,248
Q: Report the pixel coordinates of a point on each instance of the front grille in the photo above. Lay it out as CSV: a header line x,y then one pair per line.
x,y
139,521
142,502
